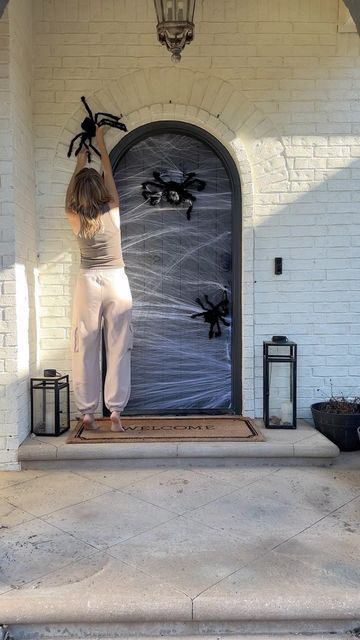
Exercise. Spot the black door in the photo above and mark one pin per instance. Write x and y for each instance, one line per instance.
(179, 263)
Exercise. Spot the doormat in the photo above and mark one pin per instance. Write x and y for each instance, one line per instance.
(170, 429)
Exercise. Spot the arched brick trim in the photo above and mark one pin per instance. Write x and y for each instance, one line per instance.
(214, 105)
(181, 94)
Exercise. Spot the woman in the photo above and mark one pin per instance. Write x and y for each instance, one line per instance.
(102, 293)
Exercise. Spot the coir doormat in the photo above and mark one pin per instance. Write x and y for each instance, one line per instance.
(170, 429)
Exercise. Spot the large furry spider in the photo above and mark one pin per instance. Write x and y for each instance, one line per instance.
(214, 313)
(173, 192)
(89, 129)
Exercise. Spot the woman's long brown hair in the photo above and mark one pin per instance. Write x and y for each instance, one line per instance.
(88, 197)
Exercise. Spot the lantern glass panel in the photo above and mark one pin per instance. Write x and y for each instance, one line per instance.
(279, 350)
(170, 10)
(44, 410)
(280, 393)
(63, 407)
(175, 10)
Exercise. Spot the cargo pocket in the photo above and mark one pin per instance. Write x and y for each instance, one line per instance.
(75, 339)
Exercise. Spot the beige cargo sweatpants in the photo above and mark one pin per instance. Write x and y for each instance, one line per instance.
(102, 297)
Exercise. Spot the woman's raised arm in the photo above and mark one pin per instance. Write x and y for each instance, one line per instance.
(106, 167)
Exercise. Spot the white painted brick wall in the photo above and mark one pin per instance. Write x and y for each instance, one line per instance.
(279, 86)
(275, 81)
(18, 231)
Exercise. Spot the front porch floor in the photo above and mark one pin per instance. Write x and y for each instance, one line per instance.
(181, 547)
(294, 444)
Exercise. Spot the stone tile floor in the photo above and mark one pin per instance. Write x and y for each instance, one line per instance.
(189, 539)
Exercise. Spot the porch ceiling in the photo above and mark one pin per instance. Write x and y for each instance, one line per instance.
(352, 5)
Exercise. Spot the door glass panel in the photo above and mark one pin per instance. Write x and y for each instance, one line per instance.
(172, 261)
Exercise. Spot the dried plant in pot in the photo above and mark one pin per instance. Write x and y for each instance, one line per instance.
(338, 418)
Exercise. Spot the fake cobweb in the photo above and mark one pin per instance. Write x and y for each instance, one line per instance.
(171, 261)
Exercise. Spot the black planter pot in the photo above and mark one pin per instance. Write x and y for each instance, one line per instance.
(341, 429)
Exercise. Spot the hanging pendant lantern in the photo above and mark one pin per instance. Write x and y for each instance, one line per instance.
(175, 25)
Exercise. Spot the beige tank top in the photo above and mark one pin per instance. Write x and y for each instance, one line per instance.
(103, 251)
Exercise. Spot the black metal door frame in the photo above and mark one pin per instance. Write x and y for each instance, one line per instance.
(183, 128)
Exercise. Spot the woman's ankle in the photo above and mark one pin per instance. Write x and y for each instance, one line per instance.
(89, 421)
(116, 421)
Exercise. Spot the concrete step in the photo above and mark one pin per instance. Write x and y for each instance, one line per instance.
(287, 630)
(300, 445)
(99, 602)
(269, 636)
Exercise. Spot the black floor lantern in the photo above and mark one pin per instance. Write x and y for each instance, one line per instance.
(279, 383)
(50, 405)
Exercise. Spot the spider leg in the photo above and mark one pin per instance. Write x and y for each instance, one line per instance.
(211, 330)
(93, 148)
(115, 125)
(155, 200)
(223, 307)
(218, 332)
(107, 115)
(156, 175)
(188, 197)
(195, 315)
(209, 303)
(82, 144)
(87, 107)
(119, 125)
(188, 178)
(72, 143)
(153, 184)
(153, 197)
(201, 304)
(194, 183)
(199, 184)
(225, 322)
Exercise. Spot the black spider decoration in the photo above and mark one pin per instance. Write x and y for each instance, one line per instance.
(173, 192)
(89, 129)
(214, 313)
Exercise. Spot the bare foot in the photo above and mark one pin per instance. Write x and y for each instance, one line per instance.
(89, 422)
(116, 422)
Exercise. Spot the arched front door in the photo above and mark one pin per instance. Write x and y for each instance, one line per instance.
(181, 260)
